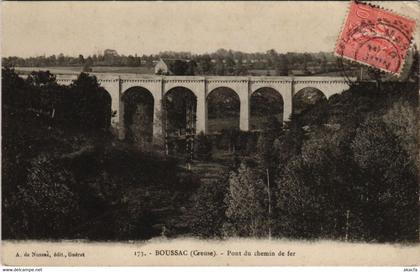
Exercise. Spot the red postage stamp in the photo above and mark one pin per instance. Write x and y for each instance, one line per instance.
(375, 37)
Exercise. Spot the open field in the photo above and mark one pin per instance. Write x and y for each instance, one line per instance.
(71, 70)
(74, 70)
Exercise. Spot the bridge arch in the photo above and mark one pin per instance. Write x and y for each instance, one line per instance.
(266, 109)
(180, 110)
(313, 90)
(309, 104)
(223, 109)
(138, 115)
(327, 85)
(107, 98)
(195, 86)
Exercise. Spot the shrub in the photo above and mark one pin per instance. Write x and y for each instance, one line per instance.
(209, 209)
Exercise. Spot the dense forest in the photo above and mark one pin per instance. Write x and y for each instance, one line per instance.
(65, 176)
(345, 168)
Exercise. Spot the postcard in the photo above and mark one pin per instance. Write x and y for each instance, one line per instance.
(210, 133)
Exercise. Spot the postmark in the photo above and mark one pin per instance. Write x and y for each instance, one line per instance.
(375, 37)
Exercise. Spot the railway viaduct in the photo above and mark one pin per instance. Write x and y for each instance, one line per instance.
(201, 87)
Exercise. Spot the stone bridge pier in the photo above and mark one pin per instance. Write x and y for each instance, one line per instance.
(201, 87)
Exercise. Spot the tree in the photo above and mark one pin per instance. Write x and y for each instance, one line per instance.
(46, 201)
(192, 68)
(282, 66)
(13, 87)
(205, 64)
(52, 60)
(264, 149)
(247, 204)
(277, 146)
(313, 190)
(42, 79)
(81, 59)
(272, 57)
(239, 67)
(389, 190)
(401, 120)
(180, 67)
(230, 63)
(90, 103)
(251, 144)
(209, 209)
(306, 59)
(324, 65)
(220, 67)
(60, 59)
(203, 147)
(87, 67)
(413, 75)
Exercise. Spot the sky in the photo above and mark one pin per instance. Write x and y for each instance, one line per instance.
(73, 28)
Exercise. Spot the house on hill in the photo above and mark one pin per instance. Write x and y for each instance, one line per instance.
(110, 52)
(175, 67)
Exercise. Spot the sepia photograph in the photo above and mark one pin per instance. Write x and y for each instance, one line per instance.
(210, 133)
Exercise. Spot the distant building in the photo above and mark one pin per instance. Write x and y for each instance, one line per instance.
(174, 67)
(110, 52)
(110, 57)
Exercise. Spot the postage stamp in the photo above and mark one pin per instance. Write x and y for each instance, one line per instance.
(375, 37)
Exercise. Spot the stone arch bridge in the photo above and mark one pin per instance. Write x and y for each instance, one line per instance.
(201, 87)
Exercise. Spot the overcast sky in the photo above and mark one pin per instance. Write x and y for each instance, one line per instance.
(72, 28)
